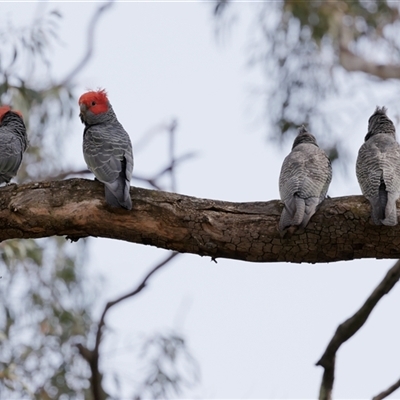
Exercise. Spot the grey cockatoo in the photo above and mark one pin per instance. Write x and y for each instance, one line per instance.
(303, 182)
(107, 148)
(13, 143)
(378, 168)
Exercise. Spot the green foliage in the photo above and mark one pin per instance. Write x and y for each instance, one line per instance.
(322, 17)
(43, 312)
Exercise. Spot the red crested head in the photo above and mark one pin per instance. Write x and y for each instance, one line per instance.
(5, 109)
(94, 101)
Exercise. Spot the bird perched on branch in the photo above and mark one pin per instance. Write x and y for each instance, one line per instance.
(13, 142)
(107, 148)
(303, 182)
(378, 168)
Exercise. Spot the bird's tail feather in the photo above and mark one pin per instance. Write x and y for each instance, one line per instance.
(390, 210)
(117, 193)
(378, 204)
(293, 213)
(311, 205)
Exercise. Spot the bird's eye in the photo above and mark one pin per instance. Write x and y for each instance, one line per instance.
(93, 103)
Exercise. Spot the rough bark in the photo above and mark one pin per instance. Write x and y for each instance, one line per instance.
(340, 230)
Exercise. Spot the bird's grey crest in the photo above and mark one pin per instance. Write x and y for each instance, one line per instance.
(379, 122)
(304, 137)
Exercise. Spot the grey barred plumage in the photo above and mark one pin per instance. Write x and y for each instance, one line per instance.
(107, 148)
(13, 143)
(378, 168)
(304, 181)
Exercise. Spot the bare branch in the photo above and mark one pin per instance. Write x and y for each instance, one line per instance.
(92, 357)
(134, 292)
(340, 229)
(171, 131)
(90, 42)
(173, 164)
(148, 136)
(151, 181)
(67, 173)
(348, 328)
(388, 391)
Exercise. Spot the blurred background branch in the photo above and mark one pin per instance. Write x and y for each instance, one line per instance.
(90, 43)
(155, 180)
(92, 356)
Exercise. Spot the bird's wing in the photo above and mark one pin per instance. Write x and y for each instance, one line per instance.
(11, 151)
(107, 156)
(307, 172)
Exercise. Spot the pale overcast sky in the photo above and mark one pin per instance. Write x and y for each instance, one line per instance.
(256, 330)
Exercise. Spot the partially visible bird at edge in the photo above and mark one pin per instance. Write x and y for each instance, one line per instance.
(13, 142)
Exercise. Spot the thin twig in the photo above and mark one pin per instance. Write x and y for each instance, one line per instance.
(174, 162)
(147, 137)
(134, 292)
(388, 391)
(93, 359)
(153, 182)
(90, 42)
(171, 130)
(348, 328)
(64, 174)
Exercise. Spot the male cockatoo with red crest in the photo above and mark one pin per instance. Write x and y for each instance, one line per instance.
(107, 148)
(13, 142)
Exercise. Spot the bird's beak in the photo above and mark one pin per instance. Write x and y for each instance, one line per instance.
(83, 109)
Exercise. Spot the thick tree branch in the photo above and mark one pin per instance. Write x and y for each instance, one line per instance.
(348, 328)
(388, 391)
(340, 230)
